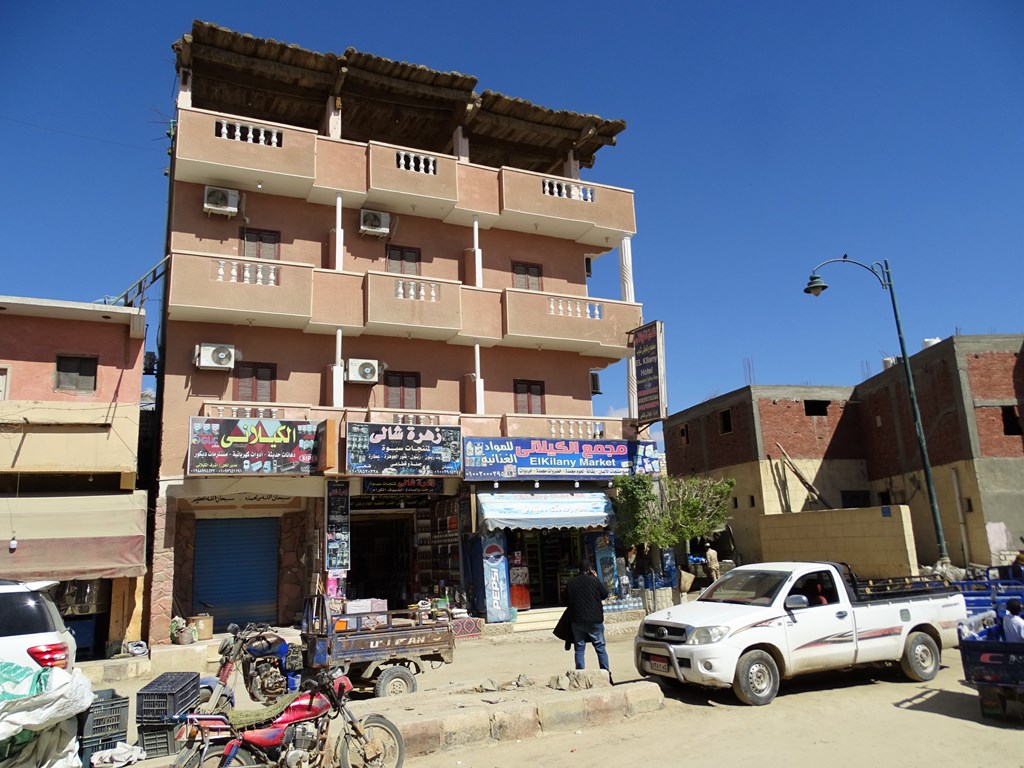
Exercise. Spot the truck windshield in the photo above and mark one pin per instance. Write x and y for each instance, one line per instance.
(746, 587)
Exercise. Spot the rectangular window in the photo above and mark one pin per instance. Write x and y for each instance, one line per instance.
(752, 502)
(684, 434)
(526, 276)
(403, 261)
(255, 382)
(854, 499)
(3, 383)
(1011, 421)
(816, 407)
(884, 498)
(725, 421)
(76, 373)
(402, 390)
(260, 243)
(529, 396)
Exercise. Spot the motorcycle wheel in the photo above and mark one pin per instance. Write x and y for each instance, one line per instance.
(385, 741)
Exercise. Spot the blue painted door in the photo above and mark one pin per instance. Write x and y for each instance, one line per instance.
(235, 570)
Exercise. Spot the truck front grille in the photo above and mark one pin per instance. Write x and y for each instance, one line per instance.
(666, 633)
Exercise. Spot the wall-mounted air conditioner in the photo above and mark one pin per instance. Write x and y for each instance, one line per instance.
(595, 383)
(363, 371)
(220, 200)
(215, 357)
(374, 222)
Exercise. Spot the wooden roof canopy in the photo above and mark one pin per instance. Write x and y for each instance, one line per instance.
(382, 100)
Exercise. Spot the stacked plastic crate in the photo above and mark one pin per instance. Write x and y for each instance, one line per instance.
(169, 694)
(102, 725)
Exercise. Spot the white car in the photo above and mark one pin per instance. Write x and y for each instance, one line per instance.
(32, 632)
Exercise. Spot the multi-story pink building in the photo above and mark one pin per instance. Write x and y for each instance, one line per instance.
(797, 448)
(373, 269)
(70, 386)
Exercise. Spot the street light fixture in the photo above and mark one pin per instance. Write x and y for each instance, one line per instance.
(881, 271)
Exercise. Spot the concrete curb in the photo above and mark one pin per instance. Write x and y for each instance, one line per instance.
(431, 723)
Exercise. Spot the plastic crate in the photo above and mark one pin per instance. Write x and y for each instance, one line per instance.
(87, 746)
(168, 694)
(107, 715)
(158, 740)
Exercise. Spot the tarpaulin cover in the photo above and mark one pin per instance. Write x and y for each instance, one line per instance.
(544, 510)
(99, 536)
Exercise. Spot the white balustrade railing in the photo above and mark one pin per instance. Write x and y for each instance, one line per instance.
(411, 161)
(567, 190)
(576, 429)
(566, 307)
(415, 418)
(234, 130)
(249, 272)
(417, 290)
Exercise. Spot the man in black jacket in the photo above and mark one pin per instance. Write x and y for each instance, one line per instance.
(584, 595)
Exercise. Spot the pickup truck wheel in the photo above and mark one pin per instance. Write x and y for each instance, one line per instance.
(394, 681)
(757, 678)
(920, 660)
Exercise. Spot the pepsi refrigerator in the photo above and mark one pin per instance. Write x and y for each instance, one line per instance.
(488, 555)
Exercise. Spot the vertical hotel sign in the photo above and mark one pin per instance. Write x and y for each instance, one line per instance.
(649, 359)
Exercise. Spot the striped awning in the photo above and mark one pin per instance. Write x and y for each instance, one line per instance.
(544, 510)
(99, 536)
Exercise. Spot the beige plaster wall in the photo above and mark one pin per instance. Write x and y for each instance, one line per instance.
(872, 544)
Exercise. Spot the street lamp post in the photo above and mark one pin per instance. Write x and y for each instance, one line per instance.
(815, 285)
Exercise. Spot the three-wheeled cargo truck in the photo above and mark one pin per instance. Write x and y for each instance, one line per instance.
(383, 650)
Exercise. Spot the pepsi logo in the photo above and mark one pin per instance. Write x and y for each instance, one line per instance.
(493, 553)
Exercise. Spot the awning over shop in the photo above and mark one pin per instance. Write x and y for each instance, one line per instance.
(544, 510)
(62, 537)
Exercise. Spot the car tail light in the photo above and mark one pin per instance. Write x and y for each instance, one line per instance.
(54, 655)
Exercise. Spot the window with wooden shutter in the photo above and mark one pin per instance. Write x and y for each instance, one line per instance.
(526, 276)
(255, 382)
(403, 261)
(402, 390)
(529, 396)
(260, 243)
(76, 373)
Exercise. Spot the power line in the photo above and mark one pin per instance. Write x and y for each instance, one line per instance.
(80, 135)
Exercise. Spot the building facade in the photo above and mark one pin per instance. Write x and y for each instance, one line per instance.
(796, 448)
(70, 386)
(376, 293)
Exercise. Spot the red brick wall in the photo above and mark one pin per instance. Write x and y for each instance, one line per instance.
(706, 440)
(832, 436)
(996, 376)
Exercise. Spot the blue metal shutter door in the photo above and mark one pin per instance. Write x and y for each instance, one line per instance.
(235, 570)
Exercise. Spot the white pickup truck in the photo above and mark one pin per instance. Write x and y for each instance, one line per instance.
(759, 624)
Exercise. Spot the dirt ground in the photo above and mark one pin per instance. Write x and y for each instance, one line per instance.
(863, 718)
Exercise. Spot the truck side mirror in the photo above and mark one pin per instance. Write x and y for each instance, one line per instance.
(796, 602)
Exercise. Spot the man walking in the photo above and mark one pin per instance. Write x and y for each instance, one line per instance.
(583, 595)
(711, 557)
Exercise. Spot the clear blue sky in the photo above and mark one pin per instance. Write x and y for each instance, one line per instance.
(762, 138)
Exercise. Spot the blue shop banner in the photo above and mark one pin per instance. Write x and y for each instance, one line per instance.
(403, 449)
(515, 458)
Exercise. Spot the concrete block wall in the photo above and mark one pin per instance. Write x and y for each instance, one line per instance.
(873, 544)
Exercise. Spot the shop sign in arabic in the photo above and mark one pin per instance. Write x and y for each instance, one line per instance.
(251, 447)
(649, 357)
(337, 556)
(403, 485)
(403, 449)
(521, 458)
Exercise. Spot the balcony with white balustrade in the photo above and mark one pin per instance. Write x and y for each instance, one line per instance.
(224, 289)
(582, 324)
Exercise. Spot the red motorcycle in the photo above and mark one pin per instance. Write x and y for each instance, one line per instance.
(293, 733)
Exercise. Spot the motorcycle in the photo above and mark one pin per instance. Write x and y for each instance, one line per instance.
(270, 667)
(293, 733)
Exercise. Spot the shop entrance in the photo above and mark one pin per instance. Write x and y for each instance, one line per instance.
(382, 553)
(550, 558)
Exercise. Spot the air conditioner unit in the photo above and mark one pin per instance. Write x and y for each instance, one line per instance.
(363, 371)
(215, 357)
(220, 200)
(595, 383)
(374, 222)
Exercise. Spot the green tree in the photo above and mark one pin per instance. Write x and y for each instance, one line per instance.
(674, 510)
